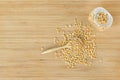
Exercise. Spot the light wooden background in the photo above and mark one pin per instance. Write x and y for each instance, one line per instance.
(27, 25)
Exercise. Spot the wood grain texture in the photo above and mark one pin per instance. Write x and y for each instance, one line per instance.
(27, 25)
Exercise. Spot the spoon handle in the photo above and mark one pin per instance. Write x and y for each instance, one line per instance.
(54, 49)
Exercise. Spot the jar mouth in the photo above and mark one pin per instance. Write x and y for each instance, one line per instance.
(102, 18)
(99, 10)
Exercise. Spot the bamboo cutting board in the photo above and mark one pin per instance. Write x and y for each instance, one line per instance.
(27, 25)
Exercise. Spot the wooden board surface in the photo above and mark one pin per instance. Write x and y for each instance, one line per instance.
(27, 25)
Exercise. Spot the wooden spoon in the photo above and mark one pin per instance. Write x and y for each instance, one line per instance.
(68, 45)
(58, 48)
